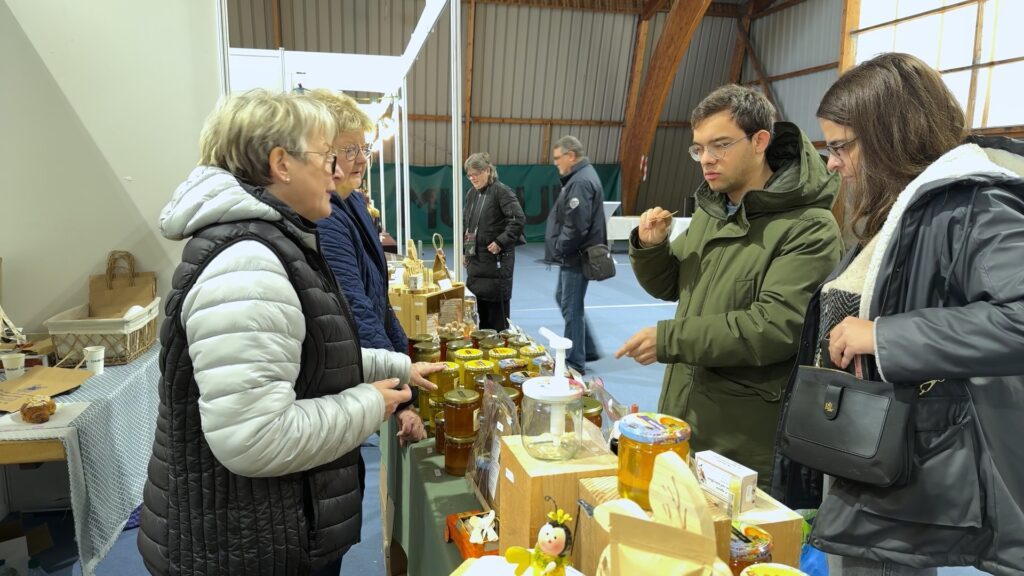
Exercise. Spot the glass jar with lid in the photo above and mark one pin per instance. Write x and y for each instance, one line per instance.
(450, 345)
(426, 352)
(439, 431)
(516, 379)
(435, 406)
(477, 370)
(530, 352)
(481, 335)
(457, 452)
(748, 545)
(507, 334)
(508, 366)
(489, 344)
(592, 410)
(515, 395)
(446, 379)
(517, 343)
(543, 365)
(461, 412)
(462, 356)
(552, 418)
(414, 340)
(642, 437)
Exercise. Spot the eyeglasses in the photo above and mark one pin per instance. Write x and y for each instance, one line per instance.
(835, 149)
(329, 157)
(475, 175)
(352, 150)
(716, 149)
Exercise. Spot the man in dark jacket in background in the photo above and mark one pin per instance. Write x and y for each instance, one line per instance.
(575, 223)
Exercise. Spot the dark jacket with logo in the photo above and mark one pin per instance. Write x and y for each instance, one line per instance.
(946, 291)
(495, 215)
(576, 221)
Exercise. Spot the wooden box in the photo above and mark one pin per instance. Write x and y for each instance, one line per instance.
(412, 309)
(785, 526)
(524, 481)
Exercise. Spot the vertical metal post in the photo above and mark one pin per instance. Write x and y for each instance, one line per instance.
(455, 10)
(407, 193)
(400, 234)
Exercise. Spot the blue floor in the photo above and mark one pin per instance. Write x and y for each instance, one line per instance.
(616, 308)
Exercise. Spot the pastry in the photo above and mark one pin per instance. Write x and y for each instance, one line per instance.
(38, 409)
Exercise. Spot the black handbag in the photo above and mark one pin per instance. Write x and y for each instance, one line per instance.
(597, 262)
(845, 426)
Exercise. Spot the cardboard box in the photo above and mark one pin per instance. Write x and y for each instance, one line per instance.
(524, 481)
(457, 531)
(785, 526)
(17, 545)
(732, 485)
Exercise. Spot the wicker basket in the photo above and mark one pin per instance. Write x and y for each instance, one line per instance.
(125, 340)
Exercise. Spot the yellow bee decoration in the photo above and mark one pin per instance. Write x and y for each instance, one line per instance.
(550, 556)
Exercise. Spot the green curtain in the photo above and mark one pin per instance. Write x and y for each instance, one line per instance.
(431, 192)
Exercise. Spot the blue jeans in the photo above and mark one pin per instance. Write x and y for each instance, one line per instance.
(570, 293)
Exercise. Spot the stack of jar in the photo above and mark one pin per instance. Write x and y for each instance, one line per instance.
(461, 423)
(432, 405)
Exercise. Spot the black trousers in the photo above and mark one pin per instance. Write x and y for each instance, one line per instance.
(494, 314)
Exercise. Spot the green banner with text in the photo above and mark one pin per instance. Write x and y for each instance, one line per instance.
(537, 187)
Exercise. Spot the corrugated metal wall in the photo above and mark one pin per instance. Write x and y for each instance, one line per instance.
(804, 36)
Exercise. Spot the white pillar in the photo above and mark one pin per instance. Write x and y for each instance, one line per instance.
(455, 9)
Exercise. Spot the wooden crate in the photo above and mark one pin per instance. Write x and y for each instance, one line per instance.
(524, 481)
(412, 309)
(783, 524)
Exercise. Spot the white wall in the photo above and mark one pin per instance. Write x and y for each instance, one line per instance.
(101, 104)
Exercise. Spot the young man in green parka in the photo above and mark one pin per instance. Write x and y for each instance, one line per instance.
(761, 241)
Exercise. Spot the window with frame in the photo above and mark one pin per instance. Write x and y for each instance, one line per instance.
(977, 46)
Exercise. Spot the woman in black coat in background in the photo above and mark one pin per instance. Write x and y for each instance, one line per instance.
(493, 222)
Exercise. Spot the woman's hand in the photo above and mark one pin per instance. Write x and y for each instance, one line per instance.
(494, 248)
(849, 338)
(410, 427)
(393, 394)
(420, 371)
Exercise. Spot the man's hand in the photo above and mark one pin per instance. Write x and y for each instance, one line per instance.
(410, 427)
(850, 337)
(655, 225)
(392, 396)
(494, 248)
(642, 347)
(420, 371)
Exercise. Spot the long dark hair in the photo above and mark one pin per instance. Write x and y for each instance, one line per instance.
(904, 118)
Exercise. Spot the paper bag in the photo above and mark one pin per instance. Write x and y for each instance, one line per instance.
(39, 381)
(113, 293)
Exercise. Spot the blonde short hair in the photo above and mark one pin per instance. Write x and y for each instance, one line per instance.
(240, 133)
(347, 113)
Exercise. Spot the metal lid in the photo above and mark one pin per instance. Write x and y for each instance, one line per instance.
(467, 354)
(459, 344)
(422, 338)
(502, 352)
(461, 396)
(450, 367)
(518, 342)
(591, 405)
(522, 376)
(427, 346)
(512, 392)
(479, 366)
(491, 342)
(458, 439)
(532, 350)
(654, 428)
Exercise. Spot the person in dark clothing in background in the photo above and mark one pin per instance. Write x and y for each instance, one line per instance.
(494, 223)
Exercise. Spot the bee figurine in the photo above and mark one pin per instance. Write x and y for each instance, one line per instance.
(550, 556)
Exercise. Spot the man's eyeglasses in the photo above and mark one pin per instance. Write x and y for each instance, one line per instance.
(835, 149)
(716, 150)
(330, 157)
(475, 175)
(352, 150)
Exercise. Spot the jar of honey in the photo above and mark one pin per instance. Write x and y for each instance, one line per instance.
(516, 379)
(592, 410)
(457, 452)
(489, 344)
(517, 343)
(439, 431)
(414, 340)
(461, 412)
(506, 366)
(446, 338)
(530, 352)
(446, 379)
(425, 406)
(544, 365)
(643, 437)
(462, 356)
(477, 371)
(748, 545)
(515, 395)
(482, 334)
(435, 405)
(450, 346)
(507, 334)
(426, 352)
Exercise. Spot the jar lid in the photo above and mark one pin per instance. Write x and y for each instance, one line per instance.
(522, 376)
(450, 367)
(467, 353)
(771, 569)
(749, 543)
(512, 392)
(532, 350)
(479, 366)
(422, 338)
(508, 333)
(502, 353)
(491, 342)
(546, 389)
(461, 396)
(591, 405)
(507, 364)
(459, 344)
(483, 333)
(654, 428)
(427, 346)
(459, 440)
(518, 341)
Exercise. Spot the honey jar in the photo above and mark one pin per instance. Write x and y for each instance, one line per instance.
(643, 437)
(529, 352)
(507, 334)
(425, 406)
(457, 452)
(506, 366)
(439, 431)
(435, 407)
(461, 412)
(446, 339)
(515, 395)
(414, 340)
(462, 356)
(482, 334)
(429, 351)
(488, 344)
(446, 379)
(748, 545)
(516, 379)
(477, 371)
(544, 365)
(450, 346)
(592, 410)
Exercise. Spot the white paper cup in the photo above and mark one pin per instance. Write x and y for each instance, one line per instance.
(94, 359)
(14, 365)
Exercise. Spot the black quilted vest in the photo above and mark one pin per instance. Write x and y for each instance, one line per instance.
(200, 518)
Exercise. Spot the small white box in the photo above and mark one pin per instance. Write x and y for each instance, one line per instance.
(733, 484)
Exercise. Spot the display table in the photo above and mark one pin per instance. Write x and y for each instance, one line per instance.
(107, 447)
(421, 496)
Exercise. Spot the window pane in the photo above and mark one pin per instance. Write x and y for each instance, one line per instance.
(957, 40)
(875, 12)
(873, 43)
(906, 8)
(960, 84)
(920, 37)
(1001, 31)
(1004, 92)
(979, 99)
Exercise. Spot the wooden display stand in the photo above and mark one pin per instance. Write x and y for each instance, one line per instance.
(785, 526)
(412, 308)
(524, 481)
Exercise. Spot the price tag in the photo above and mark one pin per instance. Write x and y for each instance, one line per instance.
(437, 473)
